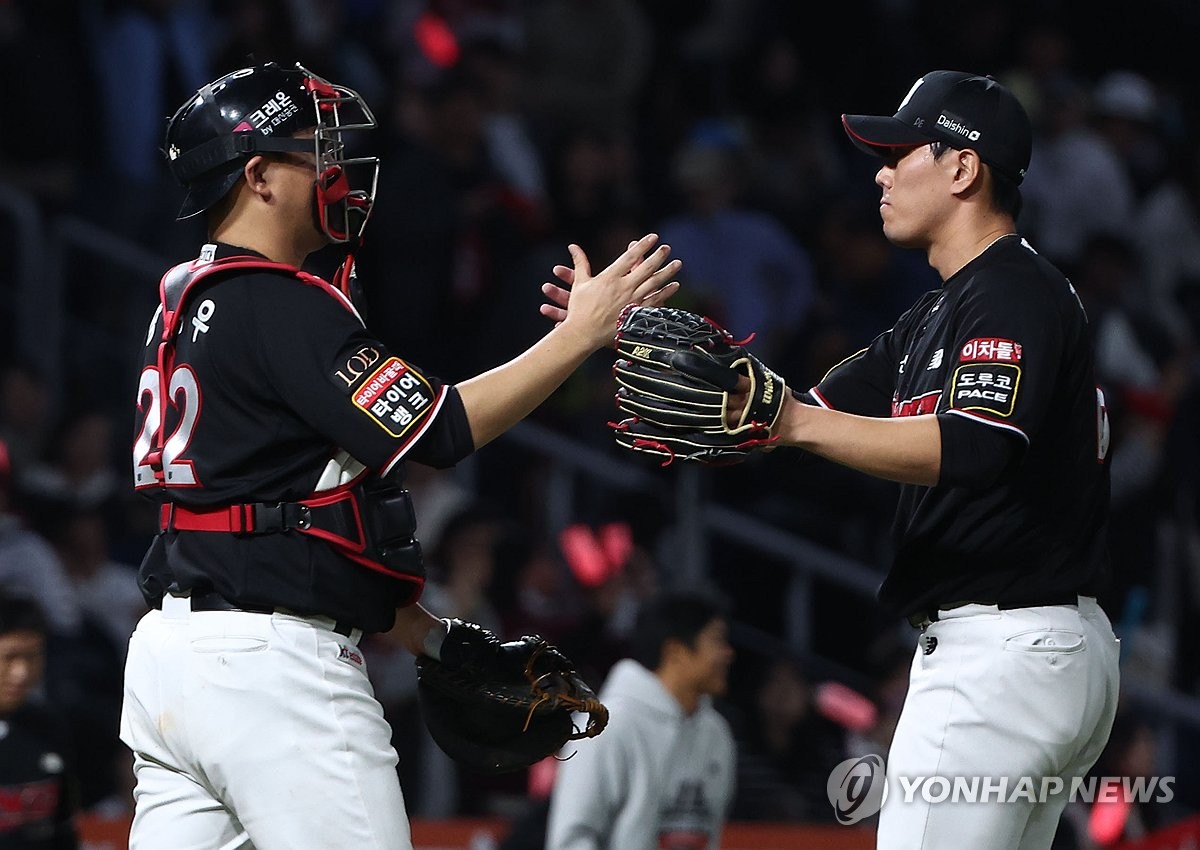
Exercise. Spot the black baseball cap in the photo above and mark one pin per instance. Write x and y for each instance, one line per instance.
(961, 109)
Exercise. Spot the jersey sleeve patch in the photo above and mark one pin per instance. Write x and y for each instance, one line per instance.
(395, 396)
(988, 387)
(990, 350)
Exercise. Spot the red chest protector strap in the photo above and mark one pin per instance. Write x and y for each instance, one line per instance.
(371, 523)
(173, 291)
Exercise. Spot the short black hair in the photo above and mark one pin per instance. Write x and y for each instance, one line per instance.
(20, 614)
(1006, 194)
(673, 615)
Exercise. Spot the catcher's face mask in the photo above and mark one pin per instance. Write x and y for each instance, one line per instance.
(345, 185)
(262, 110)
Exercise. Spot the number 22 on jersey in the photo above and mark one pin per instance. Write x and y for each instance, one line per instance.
(158, 462)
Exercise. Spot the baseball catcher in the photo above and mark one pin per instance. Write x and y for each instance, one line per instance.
(676, 373)
(498, 707)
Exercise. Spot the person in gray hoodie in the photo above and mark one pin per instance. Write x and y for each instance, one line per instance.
(661, 777)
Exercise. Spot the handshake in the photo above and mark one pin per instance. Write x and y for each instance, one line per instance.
(690, 390)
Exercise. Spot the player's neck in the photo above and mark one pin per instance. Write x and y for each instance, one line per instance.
(960, 245)
(276, 246)
(679, 687)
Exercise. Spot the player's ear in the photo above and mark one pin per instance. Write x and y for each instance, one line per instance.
(255, 176)
(968, 168)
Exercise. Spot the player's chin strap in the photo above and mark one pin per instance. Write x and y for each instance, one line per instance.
(346, 281)
(341, 211)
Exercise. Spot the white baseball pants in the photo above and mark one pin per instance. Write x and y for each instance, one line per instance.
(256, 731)
(1027, 692)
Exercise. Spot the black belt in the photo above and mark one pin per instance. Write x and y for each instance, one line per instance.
(210, 600)
(925, 618)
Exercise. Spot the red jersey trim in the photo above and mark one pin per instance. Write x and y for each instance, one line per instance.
(995, 423)
(821, 400)
(416, 435)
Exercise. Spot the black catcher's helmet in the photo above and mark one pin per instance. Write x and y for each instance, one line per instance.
(258, 110)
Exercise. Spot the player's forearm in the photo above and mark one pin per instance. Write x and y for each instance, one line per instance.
(416, 626)
(905, 449)
(501, 397)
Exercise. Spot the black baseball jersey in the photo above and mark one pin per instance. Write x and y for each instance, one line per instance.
(38, 795)
(273, 382)
(1003, 345)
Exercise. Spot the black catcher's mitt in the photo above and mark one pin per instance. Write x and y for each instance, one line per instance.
(675, 371)
(498, 707)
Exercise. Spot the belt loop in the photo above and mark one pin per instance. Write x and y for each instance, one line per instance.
(178, 608)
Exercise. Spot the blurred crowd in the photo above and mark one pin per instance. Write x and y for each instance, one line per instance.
(509, 128)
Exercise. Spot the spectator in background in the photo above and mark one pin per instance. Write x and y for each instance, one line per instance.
(1077, 185)
(455, 237)
(28, 564)
(1136, 357)
(254, 30)
(1127, 109)
(107, 590)
(593, 182)
(493, 64)
(585, 401)
(146, 55)
(59, 554)
(586, 64)
(887, 665)
(786, 749)
(143, 50)
(1179, 487)
(327, 32)
(865, 280)
(42, 40)
(1045, 57)
(462, 565)
(83, 669)
(77, 467)
(541, 597)
(744, 268)
(439, 495)
(662, 775)
(1116, 817)
(37, 765)
(1142, 373)
(795, 163)
(25, 413)
(1168, 239)
(616, 577)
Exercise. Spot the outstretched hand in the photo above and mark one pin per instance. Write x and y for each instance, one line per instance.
(633, 278)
